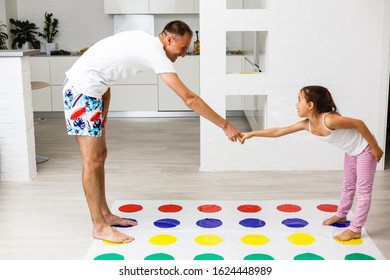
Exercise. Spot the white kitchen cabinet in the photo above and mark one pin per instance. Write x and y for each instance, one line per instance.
(135, 93)
(172, 6)
(254, 4)
(40, 72)
(234, 4)
(151, 6)
(57, 101)
(134, 98)
(196, 9)
(126, 6)
(246, 4)
(40, 69)
(58, 66)
(41, 100)
(188, 71)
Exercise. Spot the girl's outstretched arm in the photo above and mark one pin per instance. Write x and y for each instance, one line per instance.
(335, 121)
(276, 131)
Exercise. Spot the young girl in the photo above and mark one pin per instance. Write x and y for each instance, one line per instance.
(362, 152)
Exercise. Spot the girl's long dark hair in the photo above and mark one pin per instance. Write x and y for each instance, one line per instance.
(321, 98)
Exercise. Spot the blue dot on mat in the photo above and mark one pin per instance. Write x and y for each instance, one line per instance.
(295, 223)
(128, 225)
(209, 223)
(166, 223)
(252, 223)
(341, 225)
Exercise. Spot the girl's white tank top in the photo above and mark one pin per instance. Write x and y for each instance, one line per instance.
(348, 140)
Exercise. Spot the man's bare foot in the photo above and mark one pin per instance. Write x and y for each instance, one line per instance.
(348, 235)
(333, 220)
(110, 234)
(118, 221)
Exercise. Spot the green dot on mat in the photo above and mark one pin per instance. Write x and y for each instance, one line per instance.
(159, 257)
(308, 257)
(358, 256)
(208, 256)
(255, 257)
(109, 257)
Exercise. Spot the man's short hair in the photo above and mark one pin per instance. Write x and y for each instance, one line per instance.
(177, 27)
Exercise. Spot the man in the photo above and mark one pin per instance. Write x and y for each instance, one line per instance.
(87, 97)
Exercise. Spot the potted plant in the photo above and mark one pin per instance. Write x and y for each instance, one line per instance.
(3, 38)
(50, 30)
(23, 34)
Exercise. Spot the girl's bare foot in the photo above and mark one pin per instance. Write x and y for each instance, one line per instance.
(333, 220)
(348, 235)
(110, 234)
(118, 221)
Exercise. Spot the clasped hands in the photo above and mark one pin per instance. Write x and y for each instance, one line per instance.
(241, 137)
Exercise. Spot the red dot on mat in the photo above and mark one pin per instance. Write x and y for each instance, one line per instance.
(170, 208)
(289, 208)
(130, 208)
(209, 208)
(249, 208)
(327, 207)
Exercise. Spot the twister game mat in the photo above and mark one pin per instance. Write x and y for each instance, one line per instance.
(232, 230)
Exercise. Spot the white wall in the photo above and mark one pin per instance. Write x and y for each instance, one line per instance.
(3, 19)
(2, 12)
(342, 45)
(8, 9)
(82, 23)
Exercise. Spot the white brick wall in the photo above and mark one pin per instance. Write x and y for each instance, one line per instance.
(337, 44)
(17, 142)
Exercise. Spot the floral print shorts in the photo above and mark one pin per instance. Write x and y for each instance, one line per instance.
(83, 114)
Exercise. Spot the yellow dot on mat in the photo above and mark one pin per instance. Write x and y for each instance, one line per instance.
(301, 239)
(255, 239)
(355, 242)
(163, 239)
(208, 239)
(113, 243)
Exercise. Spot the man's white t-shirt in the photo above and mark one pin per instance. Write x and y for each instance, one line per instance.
(117, 57)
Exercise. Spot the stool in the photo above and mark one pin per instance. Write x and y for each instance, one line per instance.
(35, 86)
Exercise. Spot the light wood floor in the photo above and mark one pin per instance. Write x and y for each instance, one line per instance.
(149, 159)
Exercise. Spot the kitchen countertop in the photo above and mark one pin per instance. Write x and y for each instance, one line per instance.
(18, 53)
(52, 55)
(30, 52)
(76, 55)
